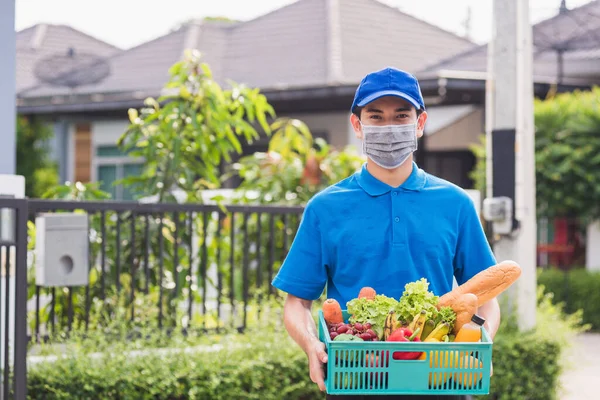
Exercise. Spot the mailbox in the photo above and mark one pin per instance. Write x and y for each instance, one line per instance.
(62, 250)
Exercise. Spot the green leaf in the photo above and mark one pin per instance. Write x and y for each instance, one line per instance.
(233, 140)
(133, 115)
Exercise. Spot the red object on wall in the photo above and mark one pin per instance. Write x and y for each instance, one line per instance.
(560, 251)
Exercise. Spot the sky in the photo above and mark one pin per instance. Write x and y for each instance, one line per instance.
(127, 23)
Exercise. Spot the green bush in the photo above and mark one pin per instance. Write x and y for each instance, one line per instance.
(578, 289)
(524, 368)
(267, 364)
(260, 366)
(528, 365)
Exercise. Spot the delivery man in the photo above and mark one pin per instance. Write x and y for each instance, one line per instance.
(388, 224)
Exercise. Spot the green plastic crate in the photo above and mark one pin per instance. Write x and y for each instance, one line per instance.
(368, 368)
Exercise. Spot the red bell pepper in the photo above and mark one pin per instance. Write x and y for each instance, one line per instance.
(405, 335)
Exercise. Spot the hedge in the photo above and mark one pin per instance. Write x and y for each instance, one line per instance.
(578, 289)
(268, 365)
(269, 368)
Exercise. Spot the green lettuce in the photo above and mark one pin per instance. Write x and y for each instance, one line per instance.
(448, 315)
(416, 297)
(372, 311)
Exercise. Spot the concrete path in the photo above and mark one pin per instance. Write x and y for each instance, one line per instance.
(582, 380)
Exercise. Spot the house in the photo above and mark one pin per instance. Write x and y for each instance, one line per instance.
(39, 48)
(307, 57)
(566, 50)
(42, 41)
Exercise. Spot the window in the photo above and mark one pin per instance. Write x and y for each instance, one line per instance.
(112, 165)
(453, 166)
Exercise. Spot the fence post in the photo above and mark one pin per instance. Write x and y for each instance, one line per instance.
(20, 363)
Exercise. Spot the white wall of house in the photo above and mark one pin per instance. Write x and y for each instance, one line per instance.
(456, 132)
(108, 132)
(70, 167)
(105, 133)
(592, 255)
(8, 85)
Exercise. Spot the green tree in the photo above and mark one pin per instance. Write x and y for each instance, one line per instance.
(567, 156)
(185, 135)
(33, 156)
(296, 166)
(478, 173)
(76, 191)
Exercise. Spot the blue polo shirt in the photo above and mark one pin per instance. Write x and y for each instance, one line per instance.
(363, 232)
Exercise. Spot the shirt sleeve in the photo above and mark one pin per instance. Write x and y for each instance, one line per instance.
(303, 273)
(473, 252)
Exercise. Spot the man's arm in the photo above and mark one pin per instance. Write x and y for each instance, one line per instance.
(301, 326)
(303, 276)
(491, 312)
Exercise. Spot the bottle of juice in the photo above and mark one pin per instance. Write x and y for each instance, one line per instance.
(470, 332)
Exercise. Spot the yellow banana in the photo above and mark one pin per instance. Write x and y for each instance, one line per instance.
(412, 323)
(428, 327)
(419, 321)
(389, 325)
(438, 333)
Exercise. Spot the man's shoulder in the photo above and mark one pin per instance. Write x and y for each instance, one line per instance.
(334, 193)
(446, 190)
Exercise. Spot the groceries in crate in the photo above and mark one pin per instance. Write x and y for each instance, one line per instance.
(418, 328)
(436, 318)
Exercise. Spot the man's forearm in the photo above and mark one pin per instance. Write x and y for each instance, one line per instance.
(491, 312)
(299, 322)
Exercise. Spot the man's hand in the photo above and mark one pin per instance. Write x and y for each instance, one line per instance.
(316, 358)
(301, 327)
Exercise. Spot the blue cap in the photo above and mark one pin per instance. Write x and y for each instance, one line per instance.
(388, 82)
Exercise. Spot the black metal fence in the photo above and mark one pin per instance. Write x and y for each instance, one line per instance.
(170, 265)
(13, 297)
(167, 266)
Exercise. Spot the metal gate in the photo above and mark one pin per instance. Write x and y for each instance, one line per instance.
(13, 298)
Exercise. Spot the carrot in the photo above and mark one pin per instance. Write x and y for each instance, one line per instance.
(332, 312)
(486, 285)
(367, 293)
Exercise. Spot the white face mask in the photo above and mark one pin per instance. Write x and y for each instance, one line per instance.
(389, 146)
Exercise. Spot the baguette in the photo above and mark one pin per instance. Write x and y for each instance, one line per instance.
(464, 307)
(486, 285)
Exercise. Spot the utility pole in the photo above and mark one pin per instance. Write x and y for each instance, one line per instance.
(511, 149)
(563, 7)
(467, 24)
(8, 136)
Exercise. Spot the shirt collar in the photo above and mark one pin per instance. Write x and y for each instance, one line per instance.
(374, 187)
